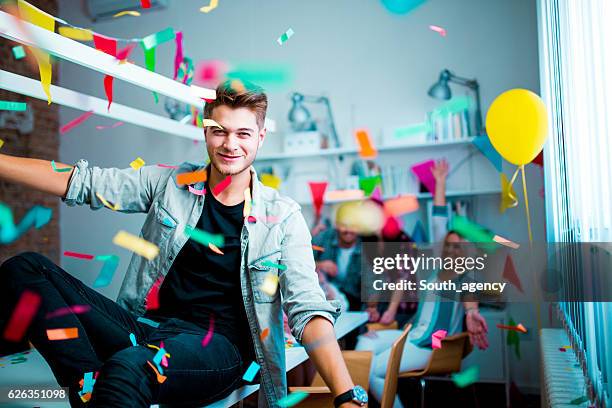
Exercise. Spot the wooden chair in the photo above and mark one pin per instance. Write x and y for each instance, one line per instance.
(379, 326)
(443, 361)
(391, 376)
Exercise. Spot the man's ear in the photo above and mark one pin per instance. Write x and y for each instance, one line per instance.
(262, 137)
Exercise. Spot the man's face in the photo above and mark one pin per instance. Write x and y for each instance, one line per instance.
(346, 235)
(233, 149)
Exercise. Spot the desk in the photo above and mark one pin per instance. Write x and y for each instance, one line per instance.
(347, 322)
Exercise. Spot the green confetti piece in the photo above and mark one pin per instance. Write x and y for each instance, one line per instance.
(292, 399)
(13, 106)
(468, 376)
(160, 37)
(261, 74)
(473, 232)
(251, 372)
(454, 105)
(273, 265)
(18, 52)
(368, 184)
(579, 400)
(58, 170)
(285, 36)
(108, 270)
(412, 130)
(37, 217)
(204, 237)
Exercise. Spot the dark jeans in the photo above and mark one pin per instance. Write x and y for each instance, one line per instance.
(196, 375)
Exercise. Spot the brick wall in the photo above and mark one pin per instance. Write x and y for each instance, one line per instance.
(41, 143)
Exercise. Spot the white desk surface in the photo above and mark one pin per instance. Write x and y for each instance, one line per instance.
(347, 322)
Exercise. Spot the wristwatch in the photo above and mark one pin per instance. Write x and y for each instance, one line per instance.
(357, 395)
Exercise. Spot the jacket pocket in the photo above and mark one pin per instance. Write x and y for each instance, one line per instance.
(264, 280)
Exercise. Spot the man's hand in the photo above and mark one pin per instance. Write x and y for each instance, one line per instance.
(373, 314)
(477, 329)
(388, 317)
(329, 267)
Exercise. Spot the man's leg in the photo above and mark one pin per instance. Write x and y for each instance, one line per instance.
(103, 330)
(195, 375)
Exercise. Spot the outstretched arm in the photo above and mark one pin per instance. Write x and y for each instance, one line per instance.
(35, 174)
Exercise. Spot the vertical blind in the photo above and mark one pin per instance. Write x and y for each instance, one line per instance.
(576, 80)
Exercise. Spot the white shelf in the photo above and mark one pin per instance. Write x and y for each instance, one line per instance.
(354, 151)
(424, 196)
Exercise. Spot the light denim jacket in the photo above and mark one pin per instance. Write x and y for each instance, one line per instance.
(170, 208)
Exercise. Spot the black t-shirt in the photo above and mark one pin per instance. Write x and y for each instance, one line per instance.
(201, 283)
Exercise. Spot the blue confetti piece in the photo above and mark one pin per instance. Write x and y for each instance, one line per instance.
(108, 270)
(251, 372)
(158, 358)
(148, 321)
(133, 339)
(88, 382)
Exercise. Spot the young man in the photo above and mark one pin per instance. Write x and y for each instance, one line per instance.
(205, 289)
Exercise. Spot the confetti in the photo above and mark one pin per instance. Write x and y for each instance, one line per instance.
(137, 163)
(63, 334)
(286, 36)
(37, 216)
(211, 6)
(160, 378)
(519, 327)
(167, 166)
(108, 270)
(506, 242)
(366, 149)
(114, 125)
(1, 142)
(76, 309)
(270, 284)
(148, 322)
(273, 265)
(223, 184)
(136, 244)
(88, 382)
(251, 372)
(318, 248)
(438, 29)
(114, 207)
(344, 195)
(74, 33)
(145, 4)
(270, 180)
(247, 202)
(215, 249)
(132, 13)
(401, 205)
(22, 316)
(466, 377)
(18, 52)
(209, 334)
(436, 339)
(423, 173)
(75, 122)
(13, 106)
(204, 237)
(292, 399)
(58, 170)
(78, 255)
(152, 301)
(265, 332)
(210, 122)
(192, 177)
(157, 359)
(196, 191)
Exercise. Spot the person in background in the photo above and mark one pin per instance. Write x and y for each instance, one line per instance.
(432, 314)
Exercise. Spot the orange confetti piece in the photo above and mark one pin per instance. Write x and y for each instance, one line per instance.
(264, 333)
(366, 149)
(86, 397)
(506, 242)
(63, 334)
(318, 248)
(192, 177)
(214, 248)
(401, 205)
(160, 378)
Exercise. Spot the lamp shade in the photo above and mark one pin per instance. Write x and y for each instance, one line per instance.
(441, 90)
(299, 116)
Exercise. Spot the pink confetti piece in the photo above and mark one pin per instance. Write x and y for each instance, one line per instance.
(178, 56)
(438, 29)
(196, 191)
(222, 185)
(22, 316)
(208, 337)
(167, 166)
(114, 125)
(152, 301)
(75, 122)
(124, 53)
(436, 339)
(78, 255)
(76, 309)
(272, 219)
(423, 172)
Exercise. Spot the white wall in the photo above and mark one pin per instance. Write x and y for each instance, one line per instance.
(375, 67)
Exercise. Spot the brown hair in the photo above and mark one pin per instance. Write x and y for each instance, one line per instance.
(238, 94)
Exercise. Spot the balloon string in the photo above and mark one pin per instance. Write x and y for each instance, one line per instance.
(510, 195)
(522, 168)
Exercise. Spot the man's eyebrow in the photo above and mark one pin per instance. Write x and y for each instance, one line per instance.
(237, 130)
(247, 129)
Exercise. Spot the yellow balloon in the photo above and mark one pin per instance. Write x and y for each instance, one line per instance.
(517, 125)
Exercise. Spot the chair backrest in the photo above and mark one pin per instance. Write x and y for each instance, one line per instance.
(358, 364)
(378, 326)
(390, 389)
(447, 359)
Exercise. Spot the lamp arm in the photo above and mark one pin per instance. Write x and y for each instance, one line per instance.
(470, 83)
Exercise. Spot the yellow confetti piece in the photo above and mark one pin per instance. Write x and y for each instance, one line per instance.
(211, 6)
(1, 143)
(214, 248)
(247, 202)
(210, 122)
(137, 163)
(106, 203)
(270, 284)
(127, 13)
(74, 33)
(136, 244)
(270, 180)
(86, 397)
(153, 346)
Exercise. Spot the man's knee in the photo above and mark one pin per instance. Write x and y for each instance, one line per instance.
(131, 361)
(19, 264)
